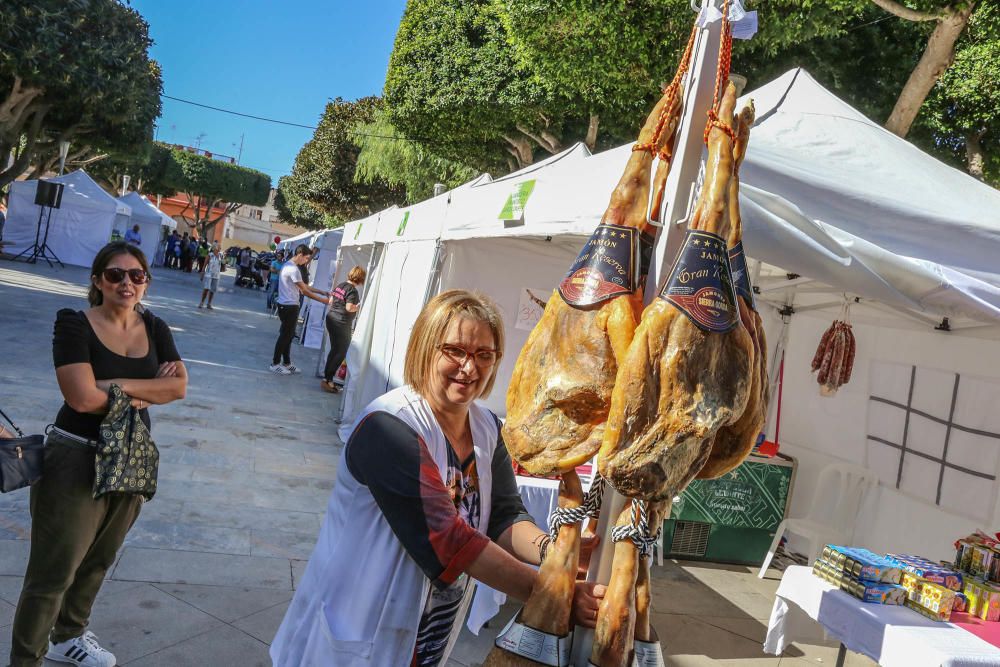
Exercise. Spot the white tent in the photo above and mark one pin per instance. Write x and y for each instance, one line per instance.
(150, 219)
(78, 229)
(289, 244)
(322, 270)
(833, 206)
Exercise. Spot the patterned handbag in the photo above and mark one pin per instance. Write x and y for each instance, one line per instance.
(127, 460)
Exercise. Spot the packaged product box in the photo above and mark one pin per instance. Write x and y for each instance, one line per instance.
(989, 603)
(937, 598)
(917, 607)
(982, 560)
(961, 603)
(928, 569)
(963, 556)
(973, 592)
(890, 594)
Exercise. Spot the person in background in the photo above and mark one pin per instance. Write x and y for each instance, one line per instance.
(132, 236)
(425, 483)
(203, 250)
(344, 304)
(3, 218)
(170, 258)
(290, 288)
(192, 255)
(185, 251)
(272, 277)
(75, 538)
(245, 259)
(210, 276)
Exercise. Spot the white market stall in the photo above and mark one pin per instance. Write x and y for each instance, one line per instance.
(322, 270)
(78, 229)
(153, 223)
(857, 189)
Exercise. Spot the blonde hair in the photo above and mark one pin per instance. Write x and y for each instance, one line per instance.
(431, 325)
(357, 275)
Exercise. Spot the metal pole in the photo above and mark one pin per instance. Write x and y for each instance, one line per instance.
(698, 95)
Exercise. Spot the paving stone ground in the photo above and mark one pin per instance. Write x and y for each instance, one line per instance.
(247, 463)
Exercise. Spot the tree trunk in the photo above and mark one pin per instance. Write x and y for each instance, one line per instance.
(23, 159)
(937, 57)
(543, 138)
(591, 139)
(974, 158)
(520, 148)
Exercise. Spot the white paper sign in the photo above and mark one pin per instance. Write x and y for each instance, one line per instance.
(530, 307)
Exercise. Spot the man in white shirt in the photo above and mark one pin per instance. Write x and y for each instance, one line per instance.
(210, 277)
(290, 288)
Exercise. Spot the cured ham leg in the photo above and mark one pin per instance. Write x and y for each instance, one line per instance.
(678, 384)
(624, 611)
(551, 601)
(560, 390)
(734, 442)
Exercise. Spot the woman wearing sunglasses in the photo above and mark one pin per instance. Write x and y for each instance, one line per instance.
(425, 498)
(74, 538)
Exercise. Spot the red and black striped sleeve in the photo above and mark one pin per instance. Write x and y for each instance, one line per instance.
(391, 459)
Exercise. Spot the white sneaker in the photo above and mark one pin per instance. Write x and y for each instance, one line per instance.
(83, 651)
(278, 369)
(292, 368)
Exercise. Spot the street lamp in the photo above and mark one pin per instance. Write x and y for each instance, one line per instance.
(125, 179)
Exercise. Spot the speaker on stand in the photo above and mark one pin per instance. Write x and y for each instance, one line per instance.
(48, 195)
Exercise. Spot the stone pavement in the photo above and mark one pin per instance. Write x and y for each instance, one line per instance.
(247, 463)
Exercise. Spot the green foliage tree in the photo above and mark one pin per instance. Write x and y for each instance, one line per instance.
(323, 175)
(453, 78)
(962, 112)
(388, 156)
(295, 210)
(77, 71)
(212, 185)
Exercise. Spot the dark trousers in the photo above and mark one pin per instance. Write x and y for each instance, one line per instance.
(340, 340)
(289, 316)
(74, 540)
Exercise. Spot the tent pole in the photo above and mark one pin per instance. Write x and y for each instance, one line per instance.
(698, 92)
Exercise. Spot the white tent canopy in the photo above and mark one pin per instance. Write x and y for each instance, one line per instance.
(78, 229)
(150, 220)
(322, 269)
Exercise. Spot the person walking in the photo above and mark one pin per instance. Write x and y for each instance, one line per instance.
(75, 538)
(203, 250)
(171, 255)
(425, 484)
(132, 236)
(290, 288)
(344, 304)
(210, 276)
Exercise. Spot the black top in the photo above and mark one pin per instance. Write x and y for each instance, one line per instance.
(344, 294)
(434, 519)
(74, 342)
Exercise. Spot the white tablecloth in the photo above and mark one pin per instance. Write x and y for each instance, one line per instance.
(891, 636)
(540, 497)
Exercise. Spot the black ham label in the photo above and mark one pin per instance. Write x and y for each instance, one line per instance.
(608, 266)
(700, 284)
(741, 277)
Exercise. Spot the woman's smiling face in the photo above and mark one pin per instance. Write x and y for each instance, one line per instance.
(455, 383)
(125, 294)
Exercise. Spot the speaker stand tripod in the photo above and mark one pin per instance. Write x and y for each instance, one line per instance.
(41, 249)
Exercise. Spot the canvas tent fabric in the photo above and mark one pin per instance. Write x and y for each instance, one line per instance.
(78, 229)
(150, 220)
(322, 270)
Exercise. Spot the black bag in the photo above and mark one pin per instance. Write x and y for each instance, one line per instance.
(21, 459)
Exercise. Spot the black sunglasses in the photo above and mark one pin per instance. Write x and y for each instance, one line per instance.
(116, 275)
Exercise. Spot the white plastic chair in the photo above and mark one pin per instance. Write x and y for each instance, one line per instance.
(841, 489)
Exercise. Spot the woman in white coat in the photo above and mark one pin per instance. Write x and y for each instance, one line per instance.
(425, 499)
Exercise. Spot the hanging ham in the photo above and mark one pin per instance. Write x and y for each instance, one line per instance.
(688, 371)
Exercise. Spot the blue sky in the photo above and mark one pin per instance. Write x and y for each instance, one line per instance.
(278, 60)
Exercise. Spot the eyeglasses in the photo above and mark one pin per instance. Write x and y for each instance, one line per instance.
(459, 355)
(116, 275)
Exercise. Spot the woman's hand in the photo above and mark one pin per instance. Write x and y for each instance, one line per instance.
(586, 601)
(168, 369)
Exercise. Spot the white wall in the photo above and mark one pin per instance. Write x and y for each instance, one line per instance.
(819, 430)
